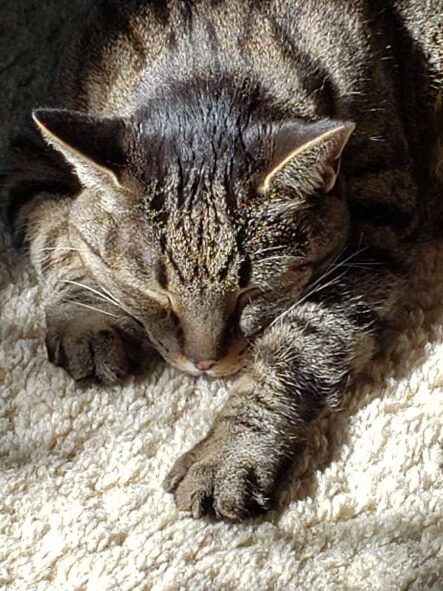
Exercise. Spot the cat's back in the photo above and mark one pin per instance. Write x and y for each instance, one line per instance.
(135, 42)
(310, 58)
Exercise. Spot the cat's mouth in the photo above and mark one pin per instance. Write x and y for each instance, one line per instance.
(229, 365)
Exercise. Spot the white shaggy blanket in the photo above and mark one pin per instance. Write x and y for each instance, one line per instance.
(81, 503)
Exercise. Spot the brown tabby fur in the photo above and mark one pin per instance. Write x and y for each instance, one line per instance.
(191, 197)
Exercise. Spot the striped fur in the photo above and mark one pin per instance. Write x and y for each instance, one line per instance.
(189, 196)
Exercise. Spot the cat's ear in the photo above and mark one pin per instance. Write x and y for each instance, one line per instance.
(92, 145)
(307, 155)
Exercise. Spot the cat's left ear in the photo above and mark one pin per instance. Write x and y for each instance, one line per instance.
(306, 156)
(92, 145)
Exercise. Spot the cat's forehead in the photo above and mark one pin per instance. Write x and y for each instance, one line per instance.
(200, 247)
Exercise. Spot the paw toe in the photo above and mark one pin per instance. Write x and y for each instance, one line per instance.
(178, 472)
(205, 482)
(79, 358)
(238, 502)
(87, 355)
(111, 362)
(194, 492)
(198, 502)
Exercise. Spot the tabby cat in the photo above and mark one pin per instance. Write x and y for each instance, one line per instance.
(241, 184)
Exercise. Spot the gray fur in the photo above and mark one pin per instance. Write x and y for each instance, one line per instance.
(241, 185)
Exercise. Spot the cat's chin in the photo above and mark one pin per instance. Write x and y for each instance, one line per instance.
(223, 369)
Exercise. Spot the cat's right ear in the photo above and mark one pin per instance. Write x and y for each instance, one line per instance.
(92, 145)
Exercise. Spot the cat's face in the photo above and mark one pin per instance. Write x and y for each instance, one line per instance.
(207, 258)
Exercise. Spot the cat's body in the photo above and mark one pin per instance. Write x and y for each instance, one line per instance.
(205, 207)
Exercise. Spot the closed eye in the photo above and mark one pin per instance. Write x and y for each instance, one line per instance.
(161, 297)
(246, 296)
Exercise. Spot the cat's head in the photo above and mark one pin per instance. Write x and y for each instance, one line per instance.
(205, 233)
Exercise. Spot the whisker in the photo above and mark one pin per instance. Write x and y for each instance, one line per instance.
(46, 248)
(92, 290)
(277, 258)
(271, 248)
(305, 296)
(106, 297)
(121, 306)
(76, 303)
(316, 286)
(319, 288)
(364, 265)
(110, 295)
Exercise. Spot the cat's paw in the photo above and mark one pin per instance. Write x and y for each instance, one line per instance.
(88, 351)
(214, 479)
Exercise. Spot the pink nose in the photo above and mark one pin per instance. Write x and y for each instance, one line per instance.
(205, 364)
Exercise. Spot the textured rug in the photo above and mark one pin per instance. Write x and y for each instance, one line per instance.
(81, 503)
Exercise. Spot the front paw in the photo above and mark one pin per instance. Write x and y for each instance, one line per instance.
(88, 349)
(234, 480)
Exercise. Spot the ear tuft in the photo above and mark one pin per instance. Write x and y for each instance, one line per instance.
(307, 154)
(93, 145)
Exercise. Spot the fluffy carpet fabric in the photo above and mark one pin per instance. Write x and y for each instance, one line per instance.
(81, 503)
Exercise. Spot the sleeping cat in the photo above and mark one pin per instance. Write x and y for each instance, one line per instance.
(240, 183)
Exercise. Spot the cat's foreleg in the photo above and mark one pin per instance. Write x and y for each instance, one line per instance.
(302, 364)
(87, 332)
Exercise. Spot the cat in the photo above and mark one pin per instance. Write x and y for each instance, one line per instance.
(241, 185)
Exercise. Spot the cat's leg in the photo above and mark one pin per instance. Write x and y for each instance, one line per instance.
(87, 332)
(302, 364)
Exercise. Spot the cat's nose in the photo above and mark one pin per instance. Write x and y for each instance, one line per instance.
(204, 364)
